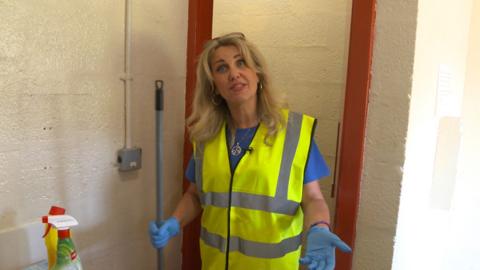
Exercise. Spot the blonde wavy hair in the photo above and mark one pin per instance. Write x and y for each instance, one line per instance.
(210, 111)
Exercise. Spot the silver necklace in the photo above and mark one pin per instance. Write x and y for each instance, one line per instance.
(236, 148)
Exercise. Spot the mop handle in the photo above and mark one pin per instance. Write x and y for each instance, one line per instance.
(159, 167)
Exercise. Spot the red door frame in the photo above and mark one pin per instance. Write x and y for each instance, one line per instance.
(353, 124)
(200, 13)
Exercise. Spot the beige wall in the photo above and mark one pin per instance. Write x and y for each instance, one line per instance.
(61, 112)
(305, 44)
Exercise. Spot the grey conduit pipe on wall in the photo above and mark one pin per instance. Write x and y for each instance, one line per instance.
(159, 159)
(127, 76)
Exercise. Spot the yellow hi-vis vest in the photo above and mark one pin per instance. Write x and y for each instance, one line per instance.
(252, 219)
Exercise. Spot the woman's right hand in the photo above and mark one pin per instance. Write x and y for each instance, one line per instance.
(160, 235)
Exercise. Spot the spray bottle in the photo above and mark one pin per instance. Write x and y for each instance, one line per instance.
(51, 236)
(67, 257)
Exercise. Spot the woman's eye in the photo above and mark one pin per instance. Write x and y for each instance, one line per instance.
(221, 68)
(241, 63)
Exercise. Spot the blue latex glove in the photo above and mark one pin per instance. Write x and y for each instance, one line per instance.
(320, 250)
(159, 235)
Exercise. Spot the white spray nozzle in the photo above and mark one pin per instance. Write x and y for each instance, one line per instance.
(60, 222)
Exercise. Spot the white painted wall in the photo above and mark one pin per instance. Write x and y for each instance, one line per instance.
(430, 236)
(61, 112)
(412, 38)
(305, 44)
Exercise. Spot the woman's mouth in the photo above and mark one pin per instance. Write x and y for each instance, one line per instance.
(237, 86)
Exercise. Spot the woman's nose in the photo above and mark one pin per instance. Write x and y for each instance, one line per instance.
(234, 73)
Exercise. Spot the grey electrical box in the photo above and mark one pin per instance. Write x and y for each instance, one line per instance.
(129, 159)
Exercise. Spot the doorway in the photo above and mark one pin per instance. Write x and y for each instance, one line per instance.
(353, 116)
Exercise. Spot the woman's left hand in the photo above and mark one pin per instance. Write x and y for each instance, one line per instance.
(320, 250)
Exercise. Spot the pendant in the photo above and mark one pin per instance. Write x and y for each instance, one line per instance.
(236, 150)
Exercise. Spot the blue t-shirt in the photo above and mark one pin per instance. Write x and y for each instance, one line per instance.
(316, 166)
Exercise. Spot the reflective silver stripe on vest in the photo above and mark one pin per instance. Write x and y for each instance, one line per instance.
(277, 204)
(292, 137)
(251, 201)
(251, 248)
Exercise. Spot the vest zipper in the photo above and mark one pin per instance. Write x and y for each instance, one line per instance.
(232, 173)
(230, 188)
(227, 252)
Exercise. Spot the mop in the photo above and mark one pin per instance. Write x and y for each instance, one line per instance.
(159, 157)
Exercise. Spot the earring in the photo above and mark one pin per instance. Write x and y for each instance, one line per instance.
(215, 99)
(260, 86)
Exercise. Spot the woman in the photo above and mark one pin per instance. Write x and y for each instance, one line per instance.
(254, 170)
